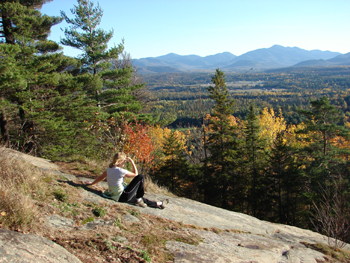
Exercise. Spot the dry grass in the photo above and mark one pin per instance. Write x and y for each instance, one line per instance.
(17, 211)
(152, 187)
(142, 241)
(335, 255)
(20, 185)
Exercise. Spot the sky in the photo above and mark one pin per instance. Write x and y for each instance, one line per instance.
(152, 28)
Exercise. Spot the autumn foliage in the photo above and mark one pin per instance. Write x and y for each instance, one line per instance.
(138, 142)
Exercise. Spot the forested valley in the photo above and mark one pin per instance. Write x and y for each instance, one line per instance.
(181, 99)
(274, 145)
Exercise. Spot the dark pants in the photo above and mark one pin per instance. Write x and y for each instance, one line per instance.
(135, 190)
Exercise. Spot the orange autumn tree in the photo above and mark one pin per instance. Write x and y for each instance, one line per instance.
(138, 144)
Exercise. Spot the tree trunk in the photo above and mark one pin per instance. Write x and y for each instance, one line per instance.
(6, 26)
(5, 137)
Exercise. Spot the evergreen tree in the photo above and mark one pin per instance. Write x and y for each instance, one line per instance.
(106, 75)
(220, 178)
(285, 185)
(17, 20)
(323, 122)
(24, 39)
(255, 161)
(36, 84)
(325, 162)
(174, 172)
(12, 80)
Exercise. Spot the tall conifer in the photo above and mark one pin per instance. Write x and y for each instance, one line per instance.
(37, 85)
(174, 171)
(106, 75)
(325, 163)
(285, 184)
(255, 161)
(222, 143)
(24, 40)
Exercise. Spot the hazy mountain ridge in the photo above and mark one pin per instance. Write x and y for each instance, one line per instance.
(177, 63)
(340, 60)
(260, 59)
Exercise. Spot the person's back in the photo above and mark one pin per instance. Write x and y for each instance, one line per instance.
(115, 179)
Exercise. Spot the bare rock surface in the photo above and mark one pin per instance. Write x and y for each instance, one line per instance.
(38, 162)
(235, 237)
(21, 248)
(227, 236)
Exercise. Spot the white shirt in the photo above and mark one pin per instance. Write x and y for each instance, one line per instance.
(115, 179)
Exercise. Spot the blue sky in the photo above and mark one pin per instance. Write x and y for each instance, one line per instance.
(205, 27)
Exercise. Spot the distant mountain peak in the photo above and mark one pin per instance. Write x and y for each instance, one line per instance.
(276, 56)
(278, 46)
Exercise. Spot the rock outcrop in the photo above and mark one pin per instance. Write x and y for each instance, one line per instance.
(18, 248)
(238, 238)
(226, 236)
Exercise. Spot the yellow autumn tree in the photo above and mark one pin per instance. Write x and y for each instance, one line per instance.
(271, 125)
(159, 139)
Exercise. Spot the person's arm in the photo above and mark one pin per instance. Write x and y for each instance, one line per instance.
(134, 169)
(98, 179)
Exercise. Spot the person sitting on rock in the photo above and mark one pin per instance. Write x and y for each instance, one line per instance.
(134, 191)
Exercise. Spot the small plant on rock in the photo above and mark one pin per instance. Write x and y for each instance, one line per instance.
(99, 211)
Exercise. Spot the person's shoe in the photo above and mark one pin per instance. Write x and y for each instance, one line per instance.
(162, 206)
(140, 203)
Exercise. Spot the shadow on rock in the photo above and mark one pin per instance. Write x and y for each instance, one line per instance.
(85, 187)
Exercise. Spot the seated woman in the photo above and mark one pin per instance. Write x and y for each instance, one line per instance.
(134, 191)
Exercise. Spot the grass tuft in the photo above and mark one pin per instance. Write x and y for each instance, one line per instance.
(335, 254)
(20, 186)
(152, 187)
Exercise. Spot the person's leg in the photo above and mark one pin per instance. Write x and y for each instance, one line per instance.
(150, 203)
(134, 190)
(134, 193)
(156, 204)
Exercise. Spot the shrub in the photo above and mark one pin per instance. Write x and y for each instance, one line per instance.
(60, 195)
(99, 212)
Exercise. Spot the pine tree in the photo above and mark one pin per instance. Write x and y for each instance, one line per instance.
(255, 161)
(222, 143)
(39, 95)
(324, 161)
(12, 80)
(285, 184)
(23, 24)
(24, 39)
(173, 173)
(106, 75)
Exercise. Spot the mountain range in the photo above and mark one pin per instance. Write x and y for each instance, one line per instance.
(258, 60)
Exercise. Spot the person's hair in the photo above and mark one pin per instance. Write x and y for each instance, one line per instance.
(117, 158)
